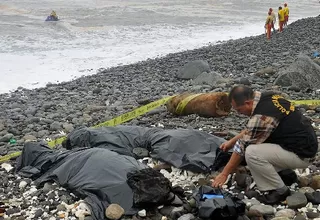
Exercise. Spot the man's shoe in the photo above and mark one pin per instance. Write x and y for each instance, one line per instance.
(273, 197)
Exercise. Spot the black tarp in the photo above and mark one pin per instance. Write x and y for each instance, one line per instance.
(97, 175)
(188, 149)
(96, 166)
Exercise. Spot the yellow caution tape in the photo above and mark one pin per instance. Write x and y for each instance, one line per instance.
(9, 156)
(140, 111)
(113, 122)
(305, 102)
(184, 102)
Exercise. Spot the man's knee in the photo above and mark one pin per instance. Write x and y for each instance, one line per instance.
(251, 152)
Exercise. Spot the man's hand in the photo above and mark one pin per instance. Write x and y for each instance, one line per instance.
(233, 163)
(226, 146)
(219, 180)
(230, 143)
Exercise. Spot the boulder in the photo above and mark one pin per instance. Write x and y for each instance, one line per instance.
(303, 73)
(114, 212)
(208, 78)
(296, 200)
(193, 69)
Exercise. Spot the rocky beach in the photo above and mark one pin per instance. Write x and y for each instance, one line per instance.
(284, 63)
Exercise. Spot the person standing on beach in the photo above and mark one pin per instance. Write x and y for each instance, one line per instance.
(274, 19)
(286, 14)
(281, 18)
(268, 25)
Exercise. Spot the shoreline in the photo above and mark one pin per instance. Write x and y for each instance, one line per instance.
(94, 71)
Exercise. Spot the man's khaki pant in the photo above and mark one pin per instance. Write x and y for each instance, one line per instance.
(265, 160)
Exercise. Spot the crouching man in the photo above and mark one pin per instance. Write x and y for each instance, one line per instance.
(277, 137)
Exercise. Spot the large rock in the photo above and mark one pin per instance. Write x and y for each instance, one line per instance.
(304, 181)
(193, 69)
(296, 201)
(315, 182)
(210, 78)
(6, 138)
(313, 197)
(288, 213)
(114, 212)
(306, 189)
(263, 209)
(303, 73)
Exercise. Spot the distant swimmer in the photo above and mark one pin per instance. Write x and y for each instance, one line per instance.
(53, 16)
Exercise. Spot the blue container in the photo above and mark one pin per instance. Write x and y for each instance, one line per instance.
(211, 196)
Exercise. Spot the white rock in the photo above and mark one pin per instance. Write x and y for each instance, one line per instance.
(185, 174)
(307, 171)
(73, 195)
(68, 207)
(304, 209)
(30, 191)
(81, 214)
(84, 207)
(309, 205)
(142, 213)
(45, 215)
(6, 166)
(23, 184)
(190, 173)
(225, 187)
(165, 173)
(280, 207)
(62, 133)
(66, 214)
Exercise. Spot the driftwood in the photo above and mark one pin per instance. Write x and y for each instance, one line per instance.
(214, 104)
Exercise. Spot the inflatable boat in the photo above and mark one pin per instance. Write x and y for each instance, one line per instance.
(52, 18)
